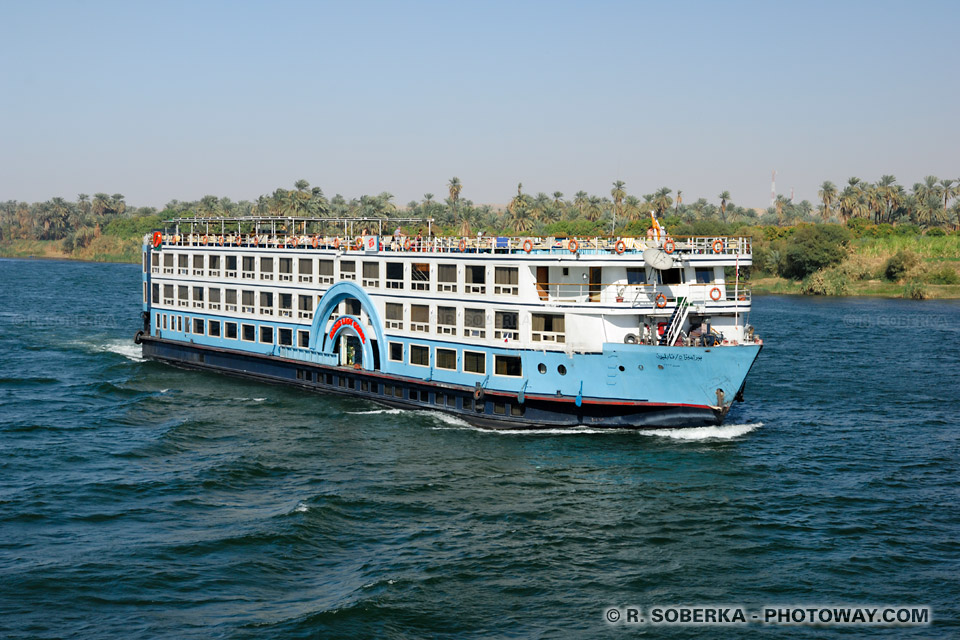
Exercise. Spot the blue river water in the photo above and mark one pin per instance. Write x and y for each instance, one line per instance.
(138, 500)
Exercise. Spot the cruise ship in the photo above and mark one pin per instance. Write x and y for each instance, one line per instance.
(503, 332)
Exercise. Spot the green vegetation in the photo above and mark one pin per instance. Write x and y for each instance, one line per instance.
(863, 239)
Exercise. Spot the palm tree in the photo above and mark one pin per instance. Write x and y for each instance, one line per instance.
(618, 195)
(679, 200)
(632, 208)
(455, 188)
(662, 200)
(594, 208)
(779, 203)
(828, 194)
(301, 185)
(949, 190)
(580, 199)
(724, 197)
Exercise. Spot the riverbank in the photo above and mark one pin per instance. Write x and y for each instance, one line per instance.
(100, 249)
(861, 288)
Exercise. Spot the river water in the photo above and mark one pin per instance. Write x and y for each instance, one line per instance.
(141, 501)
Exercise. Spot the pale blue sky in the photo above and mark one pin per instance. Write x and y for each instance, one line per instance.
(162, 100)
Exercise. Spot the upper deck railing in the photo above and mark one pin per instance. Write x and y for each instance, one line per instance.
(480, 244)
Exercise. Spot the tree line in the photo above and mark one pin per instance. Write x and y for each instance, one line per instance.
(928, 204)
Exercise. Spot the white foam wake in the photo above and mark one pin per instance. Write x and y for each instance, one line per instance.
(724, 432)
(125, 348)
(376, 411)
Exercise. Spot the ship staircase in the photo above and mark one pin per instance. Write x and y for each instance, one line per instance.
(675, 324)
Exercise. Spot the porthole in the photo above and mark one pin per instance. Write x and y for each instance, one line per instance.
(542, 368)
(659, 366)
(562, 370)
(640, 367)
(621, 367)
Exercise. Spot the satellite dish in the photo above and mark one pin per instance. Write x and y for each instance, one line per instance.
(657, 258)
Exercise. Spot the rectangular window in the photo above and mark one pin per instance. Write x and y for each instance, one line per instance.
(168, 263)
(247, 301)
(474, 362)
(394, 312)
(547, 327)
(474, 323)
(507, 366)
(266, 302)
(230, 299)
(183, 264)
(198, 326)
(168, 294)
(420, 318)
(704, 275)
(155, 292)
(305, 268)
(266, 334)
(396, 351)
(671, 276)
(286, 305)
(305, 307)
(303, 339)
(447, 359)
(394, 275)
(348, 270)
(326, 271)
(475, 279)
(187, 326)
(230, 330)
(248, 332)
(249, 266)
(447, 277)
(286, 269)
(506, 325)
(213, 298)
(213, 265)
(198, 264)
(183, 296)
(371, 274)
(505, 281)
(420, 276)
(164, 321)
(231, 266)
(266, 268)
(213, 328)
(447, 320)
(180, 323)
(198, 297)
(419, 356)
(155, 260)
(285, 337)
(636, 275)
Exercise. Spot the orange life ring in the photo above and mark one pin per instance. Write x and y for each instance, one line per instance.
(660, 300)
(157, 238)
(294, 240)
(528, 245)
(742, 297)
(359, 243)
(406, 244)
(671, 244)
(220, 238)
(718, 246)
(336, 242)
(573, 245)
(463, 245)
(620, 247)
(205, 239)
(715, 290)
(239, 239)
(316, 241)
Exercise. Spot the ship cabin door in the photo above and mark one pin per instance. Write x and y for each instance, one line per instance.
(543, 280)
(596, 280)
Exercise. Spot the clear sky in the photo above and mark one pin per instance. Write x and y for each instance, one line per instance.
(163, 100)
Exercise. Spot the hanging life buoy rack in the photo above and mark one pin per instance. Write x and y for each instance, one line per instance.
(669, 246)
(316, 241)
(573, 245)
(205, 239)
(660, 300)
(718, 246)
(463, 245)
(620, 247)
(715, 294)
(336, 242)
(478, 393)
(359, 243)
(157, 239)
(528, 245)
(239, 239)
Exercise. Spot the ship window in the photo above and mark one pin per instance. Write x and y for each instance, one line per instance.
(231, 296)
(394, 316)
(213, 295)
(248, 263)
(447, 359)
(168, 292)
(419, 356)
(371, 269)
(266, 266)
(636, 275)
(230, 330)
(180, 326)
(562, 370)
(352, 307)
(183, 261)
(168, 259)
(306, 267)
(326, 267)
(420, 276)
(506, 323)
(476, 278)
(231, 263)
(266, 301)
(507, 366)
(248, 298)
(303, 339)
(438, 399)
(213, 328)
(286, 301)
(155, 259)
(396, 351)
(266, 334)
(394, 275)
(164, 321)
(183, 293)
(505, 281)
(542, 368)
(248, 332)
(474, 323)
(213, 263)
(285, 337)
(500, 408)
(198, 294)
(156, 293)
(349, 266)
(704, 275)
(419, 317)
(447, 320)
(286, 265)
(547, 327)
(198, 326)
(447, 276)
(671, 276)
(474, 362)
(198, 261)
(306, 303)
(451, 401)
(517, 410)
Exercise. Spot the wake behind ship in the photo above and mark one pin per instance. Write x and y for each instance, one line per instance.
(503, 332)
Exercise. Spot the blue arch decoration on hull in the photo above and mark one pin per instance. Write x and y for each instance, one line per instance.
(320, 341)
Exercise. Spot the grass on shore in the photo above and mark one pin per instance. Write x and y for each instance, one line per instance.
(100, 249)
